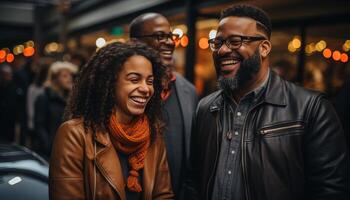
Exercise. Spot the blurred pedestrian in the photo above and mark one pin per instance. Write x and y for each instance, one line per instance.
(8, 105)
(23, 76)
(34, 90)
(111, 146)
(179, 95)
(50, 105)
(259, 136)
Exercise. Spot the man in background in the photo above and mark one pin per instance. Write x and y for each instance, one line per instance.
(179, 95)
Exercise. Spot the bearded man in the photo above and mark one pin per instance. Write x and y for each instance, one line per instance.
(261, 137)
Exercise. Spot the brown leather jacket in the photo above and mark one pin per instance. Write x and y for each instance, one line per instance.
(73, 174)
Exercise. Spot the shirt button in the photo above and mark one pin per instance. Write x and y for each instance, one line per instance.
(229, 172)
(233, 152)
(239, 113)
(236, 132)
(229, 135)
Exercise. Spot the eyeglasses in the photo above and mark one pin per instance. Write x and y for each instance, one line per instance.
(232, 42)
(162, 37)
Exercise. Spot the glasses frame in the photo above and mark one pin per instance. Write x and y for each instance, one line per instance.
(242, 39)
(158, 35)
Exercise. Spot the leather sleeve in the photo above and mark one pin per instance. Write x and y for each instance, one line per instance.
(162, 186)
(326, 162)
(66, 165)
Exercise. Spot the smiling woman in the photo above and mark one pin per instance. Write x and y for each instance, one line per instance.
(135, 89)
(114, 109)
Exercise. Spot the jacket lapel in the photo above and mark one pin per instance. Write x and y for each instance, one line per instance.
(186, 109)
(149, 174)
(107, 162)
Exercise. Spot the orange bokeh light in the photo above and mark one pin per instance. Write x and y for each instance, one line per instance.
(28, 51)
(2, 54)
(184, 41)
(327, 53)
(344, 57)
(336, 55)
(203, 43)
(10, 58)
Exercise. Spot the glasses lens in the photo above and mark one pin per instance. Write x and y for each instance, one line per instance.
(215, 44)
(162, 37)
(234, 42)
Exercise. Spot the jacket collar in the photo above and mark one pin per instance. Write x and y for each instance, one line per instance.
(275, 92)
(217, 102)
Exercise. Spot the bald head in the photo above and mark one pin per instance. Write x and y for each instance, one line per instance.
(137, 25)
(154, 29)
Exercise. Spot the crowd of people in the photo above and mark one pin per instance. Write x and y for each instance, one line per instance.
(130, 127)
(33, 99)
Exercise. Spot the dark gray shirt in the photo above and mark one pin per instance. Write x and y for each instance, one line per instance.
(228, 179)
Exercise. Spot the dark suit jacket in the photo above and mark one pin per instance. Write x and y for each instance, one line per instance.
(187, 98)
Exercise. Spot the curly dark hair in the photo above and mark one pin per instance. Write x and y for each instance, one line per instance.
(253, 12)
(93, 96)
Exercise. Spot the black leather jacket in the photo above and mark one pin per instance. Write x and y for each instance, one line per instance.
(292, 147)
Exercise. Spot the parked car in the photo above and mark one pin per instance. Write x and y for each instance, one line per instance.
(23, 174)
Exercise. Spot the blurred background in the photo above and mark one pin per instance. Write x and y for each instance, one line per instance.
(311, 43)
(44, 43)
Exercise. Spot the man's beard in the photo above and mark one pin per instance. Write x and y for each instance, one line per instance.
(248, 68)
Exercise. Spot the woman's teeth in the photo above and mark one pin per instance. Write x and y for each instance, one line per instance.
(139, 99)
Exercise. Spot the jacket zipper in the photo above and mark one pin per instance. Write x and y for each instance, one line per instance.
(217, 154)
(266, 131)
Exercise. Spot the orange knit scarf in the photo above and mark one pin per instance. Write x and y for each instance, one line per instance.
(133, 140)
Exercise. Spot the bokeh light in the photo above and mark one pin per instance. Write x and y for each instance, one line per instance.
(28, 51)
(327, 53)
(184, 41)
(100, 42)
(321, 45)
(344, 57)
(346, 46)
(29, 43)
(336, 55)
(203, 43)
(212, 34)
(178, 31)
(2, 54)
(18, 49)
(290, 47)
(10, 57)
(296, 43)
